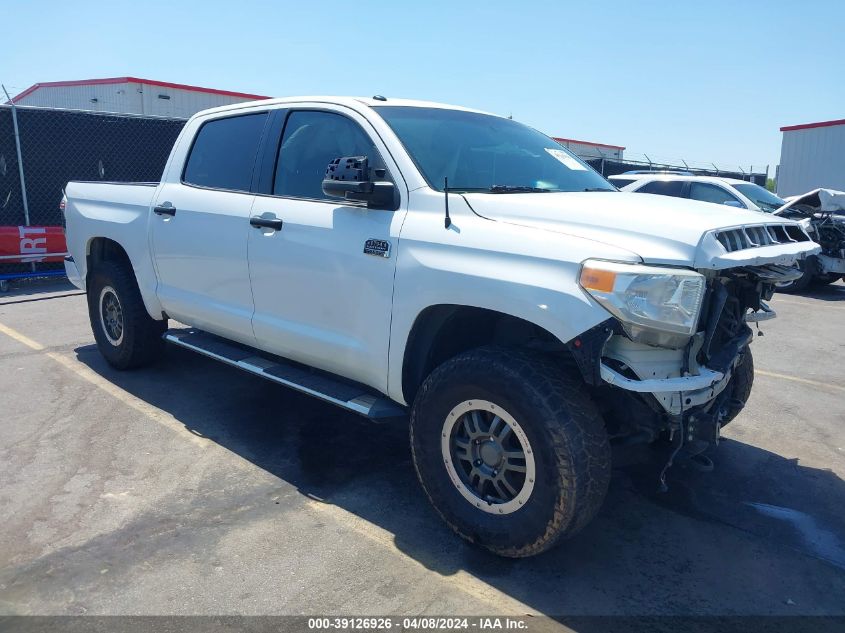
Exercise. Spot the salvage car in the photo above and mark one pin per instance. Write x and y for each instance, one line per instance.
(715, 189)
(449, 268)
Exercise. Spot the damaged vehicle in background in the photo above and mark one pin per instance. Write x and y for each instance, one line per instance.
(822, 212)
(815, 211)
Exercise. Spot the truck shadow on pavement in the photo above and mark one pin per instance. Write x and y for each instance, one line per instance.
(761, 534)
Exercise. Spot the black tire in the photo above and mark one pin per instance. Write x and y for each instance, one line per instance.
(740, 385)
(826, 279)
(140, 341)
(571, 451)
(799, 284)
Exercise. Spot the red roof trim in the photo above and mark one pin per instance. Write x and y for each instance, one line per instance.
(135, 80)
(572, 140)
(807, 126)
(29, 90)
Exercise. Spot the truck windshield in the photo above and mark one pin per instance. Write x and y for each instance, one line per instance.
(763, 198)
(481, 152)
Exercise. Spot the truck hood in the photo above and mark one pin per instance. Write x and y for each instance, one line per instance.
(658, 229)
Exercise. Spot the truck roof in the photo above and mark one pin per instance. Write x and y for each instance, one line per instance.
(351, 102)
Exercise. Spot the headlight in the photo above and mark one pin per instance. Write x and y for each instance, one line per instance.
(657, 306)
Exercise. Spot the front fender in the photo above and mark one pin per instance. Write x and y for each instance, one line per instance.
(523, 272)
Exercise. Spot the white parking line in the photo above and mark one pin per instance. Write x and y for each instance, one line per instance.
(20, 338)
(806, 381)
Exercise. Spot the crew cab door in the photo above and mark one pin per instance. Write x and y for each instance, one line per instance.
(716, 194)
(319, 298)
(199, 225)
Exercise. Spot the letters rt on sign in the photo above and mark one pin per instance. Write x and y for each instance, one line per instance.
(23, 244)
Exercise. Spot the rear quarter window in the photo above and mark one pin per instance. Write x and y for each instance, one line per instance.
(620, 182)
(224, 151)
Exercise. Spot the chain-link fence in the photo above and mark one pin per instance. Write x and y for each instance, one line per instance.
(58, 146)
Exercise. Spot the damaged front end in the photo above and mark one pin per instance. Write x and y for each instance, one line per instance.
(689, 383)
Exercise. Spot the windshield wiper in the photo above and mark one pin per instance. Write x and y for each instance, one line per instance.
(516, 189)
(599, 189)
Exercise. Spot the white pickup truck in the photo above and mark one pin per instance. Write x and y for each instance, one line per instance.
(400, 257)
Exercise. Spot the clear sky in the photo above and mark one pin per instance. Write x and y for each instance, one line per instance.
(705, 81)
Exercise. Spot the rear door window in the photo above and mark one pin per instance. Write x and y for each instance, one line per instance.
(224, 152)
(673, 188)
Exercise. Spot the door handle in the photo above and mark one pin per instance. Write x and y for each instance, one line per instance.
(165, 209)
(266, 223)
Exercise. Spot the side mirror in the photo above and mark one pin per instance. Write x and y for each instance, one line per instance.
(733, 203)
(349, 178)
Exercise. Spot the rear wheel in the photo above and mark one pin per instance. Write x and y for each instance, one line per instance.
(127, 336)
(510, 451)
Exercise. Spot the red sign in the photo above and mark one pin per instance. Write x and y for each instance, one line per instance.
(23, 244)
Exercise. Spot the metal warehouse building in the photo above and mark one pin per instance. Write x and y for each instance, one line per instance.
(129, 95)
(812, 155)
(587, 149)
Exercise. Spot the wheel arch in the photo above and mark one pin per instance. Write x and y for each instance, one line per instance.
(101, 249)
(443, 331)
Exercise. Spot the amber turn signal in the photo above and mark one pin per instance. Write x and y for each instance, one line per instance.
(596, 279)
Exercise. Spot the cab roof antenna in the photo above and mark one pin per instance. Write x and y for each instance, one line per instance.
(448, 221)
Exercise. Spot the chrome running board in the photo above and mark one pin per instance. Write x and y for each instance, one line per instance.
(321, 385)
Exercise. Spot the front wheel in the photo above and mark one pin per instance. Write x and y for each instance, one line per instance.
(509, 449)
(127, 336)
(740, 385)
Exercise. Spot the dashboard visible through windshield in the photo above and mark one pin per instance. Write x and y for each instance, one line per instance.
(482, 152)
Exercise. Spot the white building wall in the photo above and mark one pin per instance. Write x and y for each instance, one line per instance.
(811, 158)
(182, 103)
(97, 98)
(128, 98)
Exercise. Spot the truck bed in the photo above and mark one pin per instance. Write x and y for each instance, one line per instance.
(117, 211)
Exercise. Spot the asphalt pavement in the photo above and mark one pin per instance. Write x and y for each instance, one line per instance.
(192, 488)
